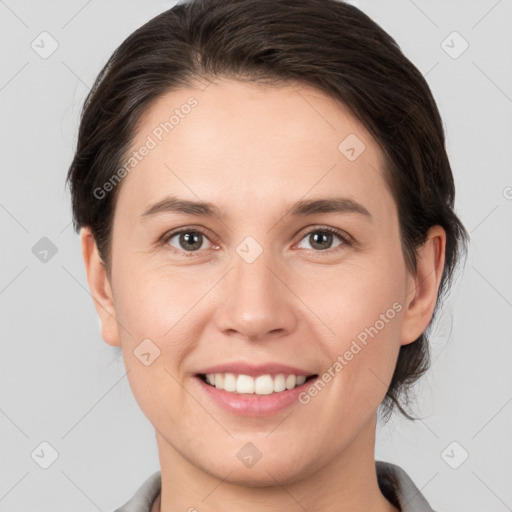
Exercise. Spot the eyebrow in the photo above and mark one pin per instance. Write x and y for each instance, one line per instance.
(303, 208)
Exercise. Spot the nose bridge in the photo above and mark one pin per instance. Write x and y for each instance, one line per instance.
(256, 302)
(254, 284)
(252, 264)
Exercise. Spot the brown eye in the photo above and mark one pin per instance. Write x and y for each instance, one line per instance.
(321, 239)
(187, 240)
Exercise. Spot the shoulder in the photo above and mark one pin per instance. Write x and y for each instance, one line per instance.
(397, 486)
(143, 499)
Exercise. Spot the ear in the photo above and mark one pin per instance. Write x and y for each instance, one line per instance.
(99, 285)
(422, 288)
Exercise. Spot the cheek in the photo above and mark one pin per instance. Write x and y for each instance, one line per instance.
(153, 307)
(155, 301)
(156, 309)
(363, 310)
(354, 299)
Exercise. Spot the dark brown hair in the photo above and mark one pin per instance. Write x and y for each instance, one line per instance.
(326, 44)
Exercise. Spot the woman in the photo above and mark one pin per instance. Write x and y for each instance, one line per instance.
(265, 207)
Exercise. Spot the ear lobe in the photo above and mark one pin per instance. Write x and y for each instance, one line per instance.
(424, 286)
(100, 287)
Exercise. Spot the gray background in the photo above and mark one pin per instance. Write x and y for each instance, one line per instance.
(61, 384)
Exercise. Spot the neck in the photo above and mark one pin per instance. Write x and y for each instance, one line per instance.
(347, 483)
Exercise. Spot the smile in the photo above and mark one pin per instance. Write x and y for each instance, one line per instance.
(260, 385)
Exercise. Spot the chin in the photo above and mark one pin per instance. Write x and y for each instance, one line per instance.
(267, 471)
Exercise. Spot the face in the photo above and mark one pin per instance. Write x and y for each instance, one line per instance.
(276, 283)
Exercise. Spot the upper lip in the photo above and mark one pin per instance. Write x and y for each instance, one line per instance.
(242, 368)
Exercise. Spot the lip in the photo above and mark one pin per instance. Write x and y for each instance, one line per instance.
(255, 370)
(244, 404)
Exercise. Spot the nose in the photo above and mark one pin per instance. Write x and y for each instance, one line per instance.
(257, 302)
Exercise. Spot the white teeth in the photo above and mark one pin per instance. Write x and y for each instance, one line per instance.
(291, 380)
(300, 380)
(244, 384)
(279, 383)
(261, 385)
(229, 382)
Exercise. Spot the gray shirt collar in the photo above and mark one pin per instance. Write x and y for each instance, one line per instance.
(394, 482)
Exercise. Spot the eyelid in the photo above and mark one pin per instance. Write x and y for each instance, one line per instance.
(319, 227)
(344, 237)
(164, 239)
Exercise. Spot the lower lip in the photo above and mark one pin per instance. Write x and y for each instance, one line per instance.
(251, 404)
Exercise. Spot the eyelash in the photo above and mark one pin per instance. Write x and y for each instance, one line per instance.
(346, 239)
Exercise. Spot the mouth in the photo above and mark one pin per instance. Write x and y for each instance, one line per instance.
(265, 384)
(249, 389)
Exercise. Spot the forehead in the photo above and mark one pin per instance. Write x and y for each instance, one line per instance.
(252, 146)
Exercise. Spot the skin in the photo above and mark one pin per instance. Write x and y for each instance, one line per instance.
(253, 150)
